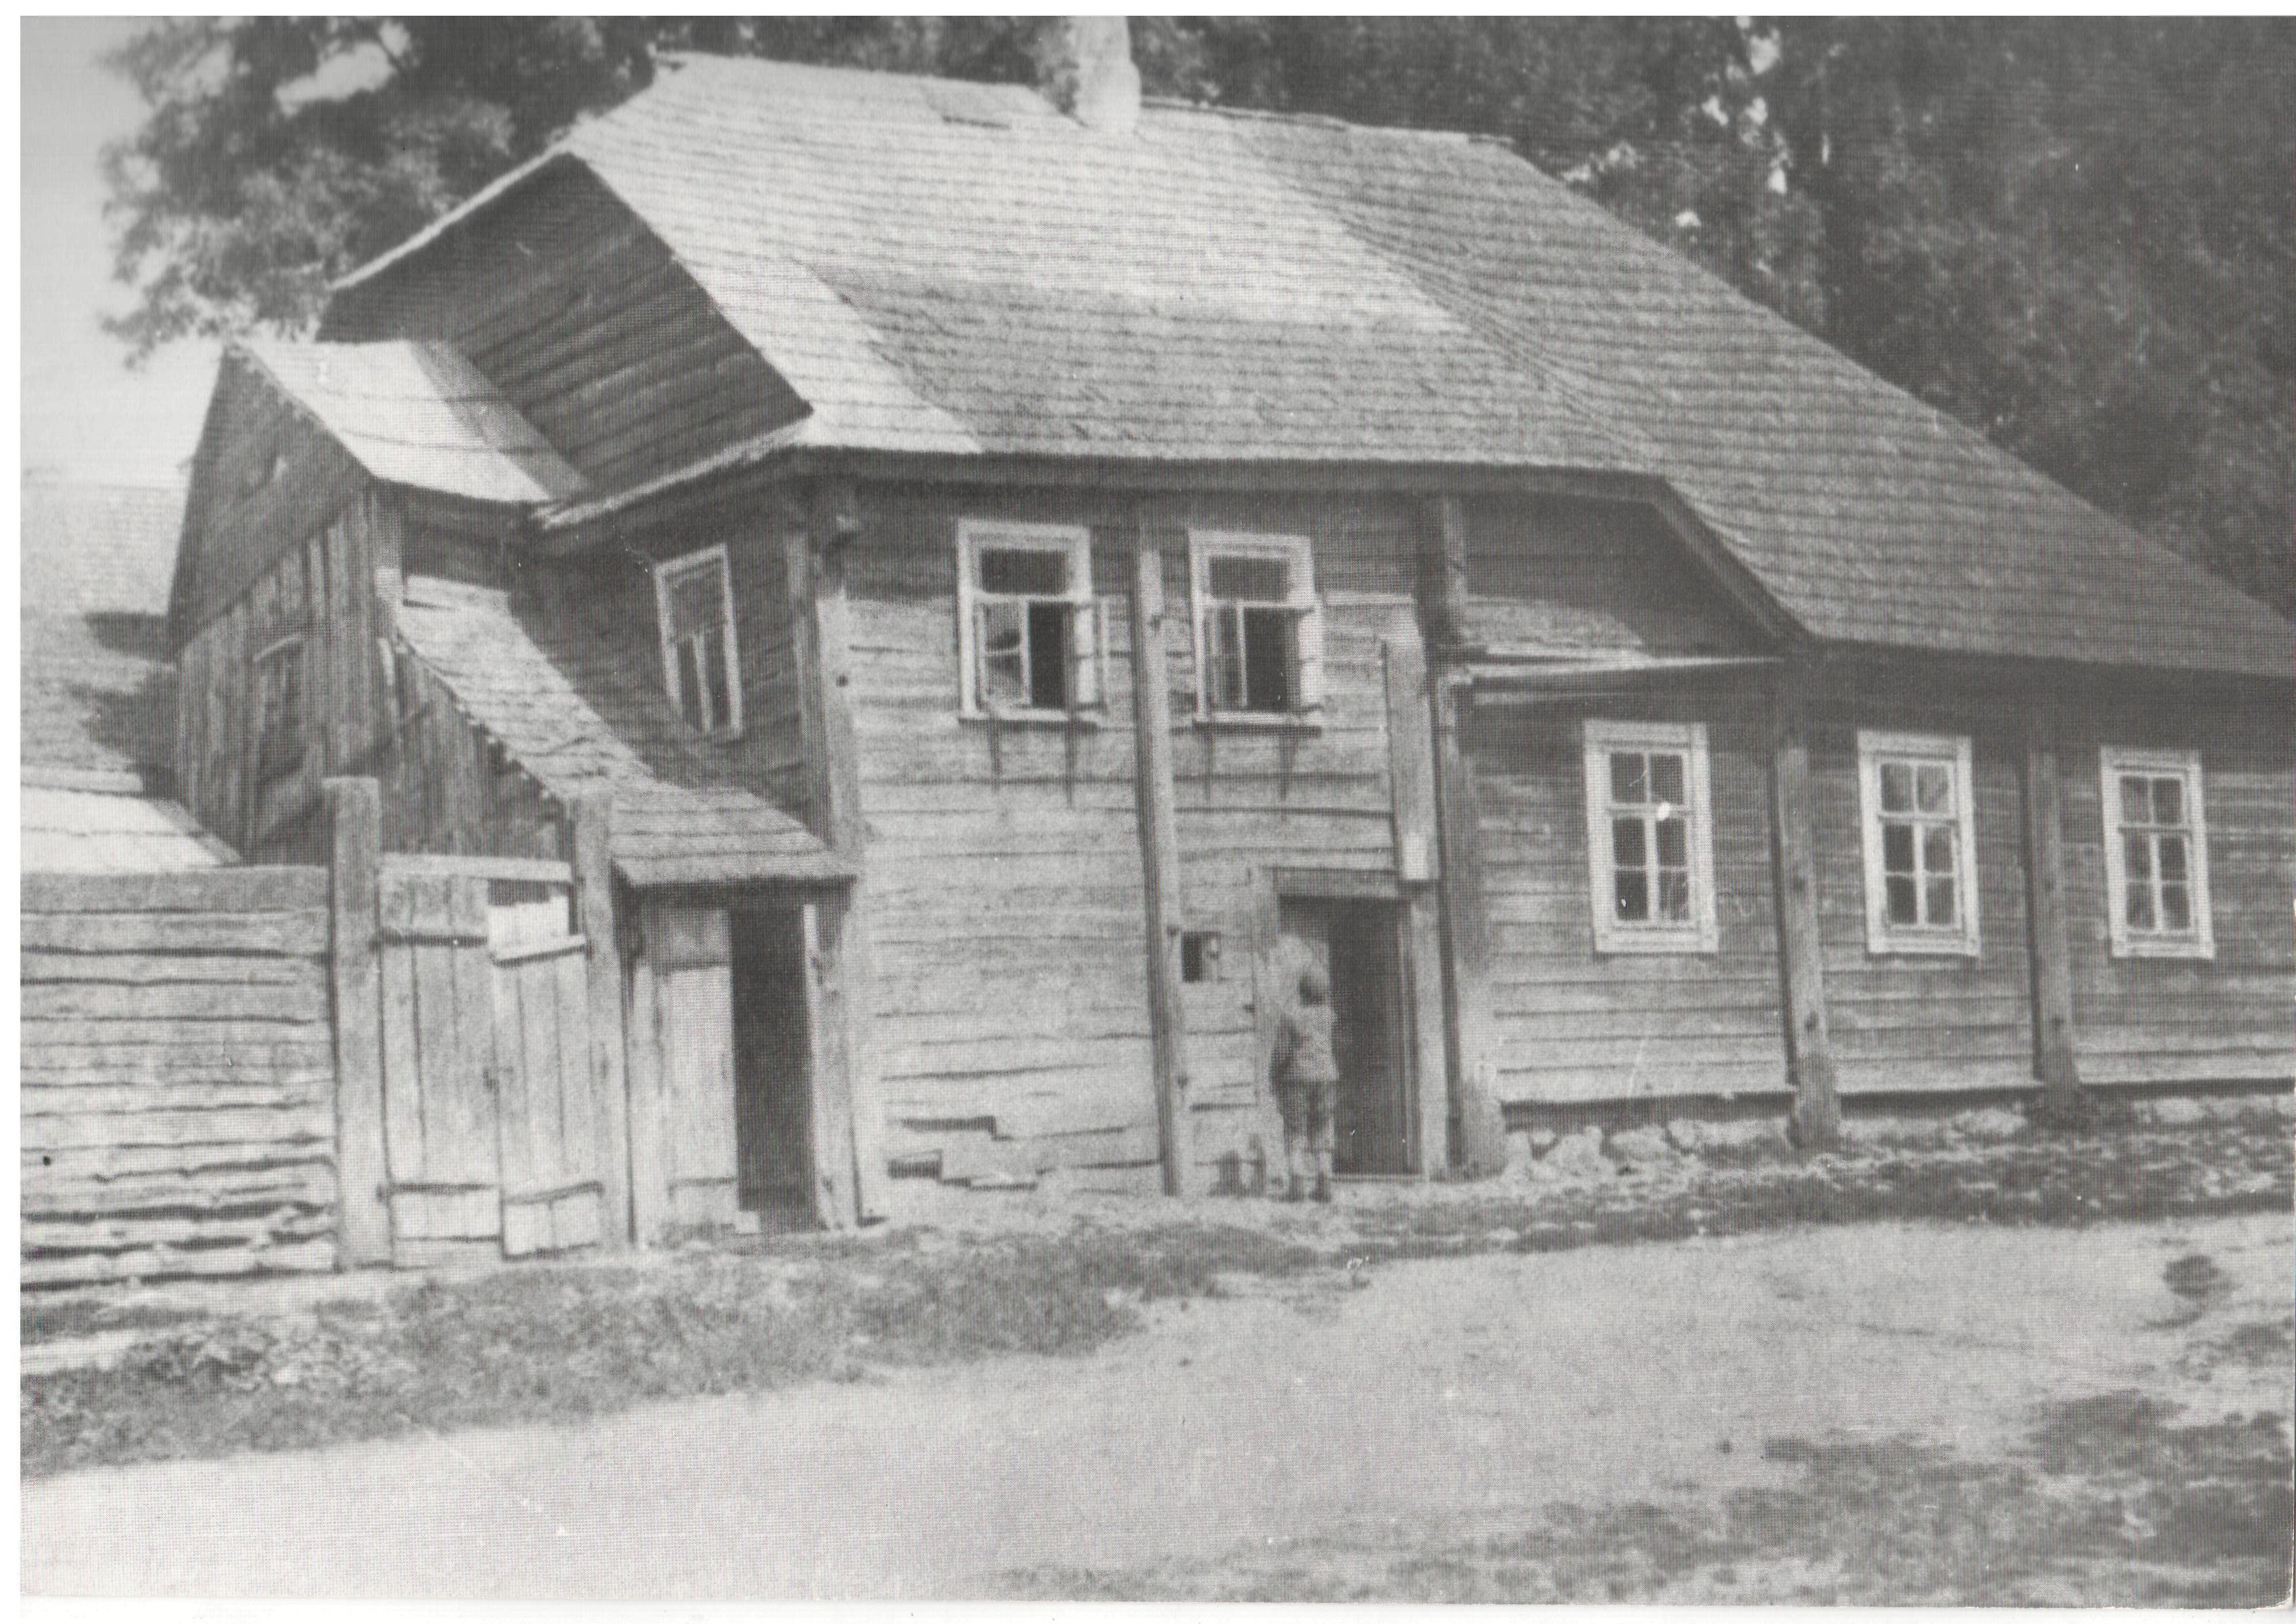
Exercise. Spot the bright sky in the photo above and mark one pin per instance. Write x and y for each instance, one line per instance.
(85, 414)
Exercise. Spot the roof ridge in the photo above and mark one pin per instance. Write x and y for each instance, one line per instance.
(1316, 121)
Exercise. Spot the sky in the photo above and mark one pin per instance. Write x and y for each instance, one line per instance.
(85, 414)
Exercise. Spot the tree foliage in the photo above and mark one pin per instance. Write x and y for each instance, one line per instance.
(2079, 237)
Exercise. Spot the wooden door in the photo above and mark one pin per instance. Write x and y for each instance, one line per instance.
(1373, 1126)
(552, 1187)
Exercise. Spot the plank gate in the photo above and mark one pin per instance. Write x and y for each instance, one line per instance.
(491, 1131)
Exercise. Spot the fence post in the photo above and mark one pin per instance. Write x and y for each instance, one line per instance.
(355, 857)
(589, 841)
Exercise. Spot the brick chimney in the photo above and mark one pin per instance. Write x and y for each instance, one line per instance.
(1084, 67)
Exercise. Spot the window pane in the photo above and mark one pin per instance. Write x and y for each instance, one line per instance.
(1937, 843)
(1004, 661)
(690, 698)
(2136, 851)
(1935, 787)
(1902, 908)
(721, 698)
(1897, 786)
(1630, 778)
(2171, 849)
(1673, 843)
(2176, 908)
(2135, 800)
(1666, 779)
(1674, 897)
(1048, 656)
(1898, 848)
(1253, 580)
(1626, 849)
(1225, 685)
(2167, 801)
(695, 600)
(1941, 901)
(1024, 573)
(1633, 894)
(1266, 660)
(2140, 907)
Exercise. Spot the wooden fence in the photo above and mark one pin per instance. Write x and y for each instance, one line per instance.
(178, 1075)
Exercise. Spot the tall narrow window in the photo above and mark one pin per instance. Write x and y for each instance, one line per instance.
(1920, 840)
(1031, 636)
(279, 709)
(700, 663)
(1650, 837)
(1260, 642)
(2156, 855)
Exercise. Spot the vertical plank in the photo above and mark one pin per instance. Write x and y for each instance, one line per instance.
(2052, 939)
(1160, 866)
(354, 814)
(1465, 933)
(1801, 973)
(642, 1023)
(590, 848)
(525, 1228)
(319, 665)
(1411, 768)
(477, 1142)
(541, 1106)
(402, 1056)
(829, 1122)
(578, 1127)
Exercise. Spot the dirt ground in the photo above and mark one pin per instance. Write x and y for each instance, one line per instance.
(1883, 1412)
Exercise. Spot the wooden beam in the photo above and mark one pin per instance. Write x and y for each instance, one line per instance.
(1160, 865)
(828, 1034)
(363, 1217)
(1411, 772)
(650, 1201)
(2054, 1062)
(1793, 858)
(589, 840)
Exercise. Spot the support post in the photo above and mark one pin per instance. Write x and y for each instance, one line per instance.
(1160, 866)
(1411, 771)
(649, 1199)
(1817, 1120)
(829, 1032)
(2053, 1064)
(362, 1212)
(589, 823)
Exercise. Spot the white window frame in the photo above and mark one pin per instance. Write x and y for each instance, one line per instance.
(2199, 942)
(1297, 554)
(1962, 938)
(1085, 682)
(1696, 934)
(666, 572)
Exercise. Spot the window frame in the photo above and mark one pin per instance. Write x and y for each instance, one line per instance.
(1964, 937)
(667, 571)
(1074, 543)
(1602, 738)
(1298, 554)
(272, 763)
(2199, 942)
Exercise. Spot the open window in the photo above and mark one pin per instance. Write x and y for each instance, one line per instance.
(1031, 636)
(2156, 854)
(700, 663)
(1916, 799)
(1260, 630)
(1650, 837)
(279, 709)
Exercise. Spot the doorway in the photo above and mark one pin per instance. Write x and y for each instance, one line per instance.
(1358, 944)
(772, 1065)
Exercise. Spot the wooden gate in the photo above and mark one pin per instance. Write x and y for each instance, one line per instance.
(490, 1130)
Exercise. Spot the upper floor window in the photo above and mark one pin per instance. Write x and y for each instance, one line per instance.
(1915, 796)
(279, 709)
(700, 663)
(1260, 632)
(2156, 854)
(1031, 635)
(1650, 837)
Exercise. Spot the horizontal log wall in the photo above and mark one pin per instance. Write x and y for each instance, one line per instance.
(178, 1075)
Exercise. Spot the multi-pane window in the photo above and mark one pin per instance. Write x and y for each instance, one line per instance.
(279, 709)
(1032, 633)
(1921, 890)
(1259, 643)
(1650, 837)
(2156, 854)
(700, 663)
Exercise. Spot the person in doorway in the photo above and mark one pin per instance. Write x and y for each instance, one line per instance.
(1307, 1074)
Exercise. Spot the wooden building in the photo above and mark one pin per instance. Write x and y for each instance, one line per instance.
(1026, 580)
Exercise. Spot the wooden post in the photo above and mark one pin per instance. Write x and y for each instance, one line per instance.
(1410, 770)
(650, 1203)
(1160, 866)
(829, 1032)
(589, 822)
(1810, 1042)
(2051, 935)
(363, 1222)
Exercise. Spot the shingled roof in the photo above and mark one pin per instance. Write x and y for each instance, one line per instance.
(566, 710)
(954, 269)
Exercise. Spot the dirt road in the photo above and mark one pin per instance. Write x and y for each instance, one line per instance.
(1627, 1421)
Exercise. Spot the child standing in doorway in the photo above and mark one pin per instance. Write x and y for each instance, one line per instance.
(1305, 1074)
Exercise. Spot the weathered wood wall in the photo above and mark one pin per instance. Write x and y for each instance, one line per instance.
(178, 1075)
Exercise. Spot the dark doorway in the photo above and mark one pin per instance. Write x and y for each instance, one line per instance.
(772, 1064)
(1357, 945)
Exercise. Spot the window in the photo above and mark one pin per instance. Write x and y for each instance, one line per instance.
(1921, 866)
(1031, 635)
(279, 705)
(700, 663)
(1199, 956)
(1259, 633)
(1650, 837)
(2156, 855)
